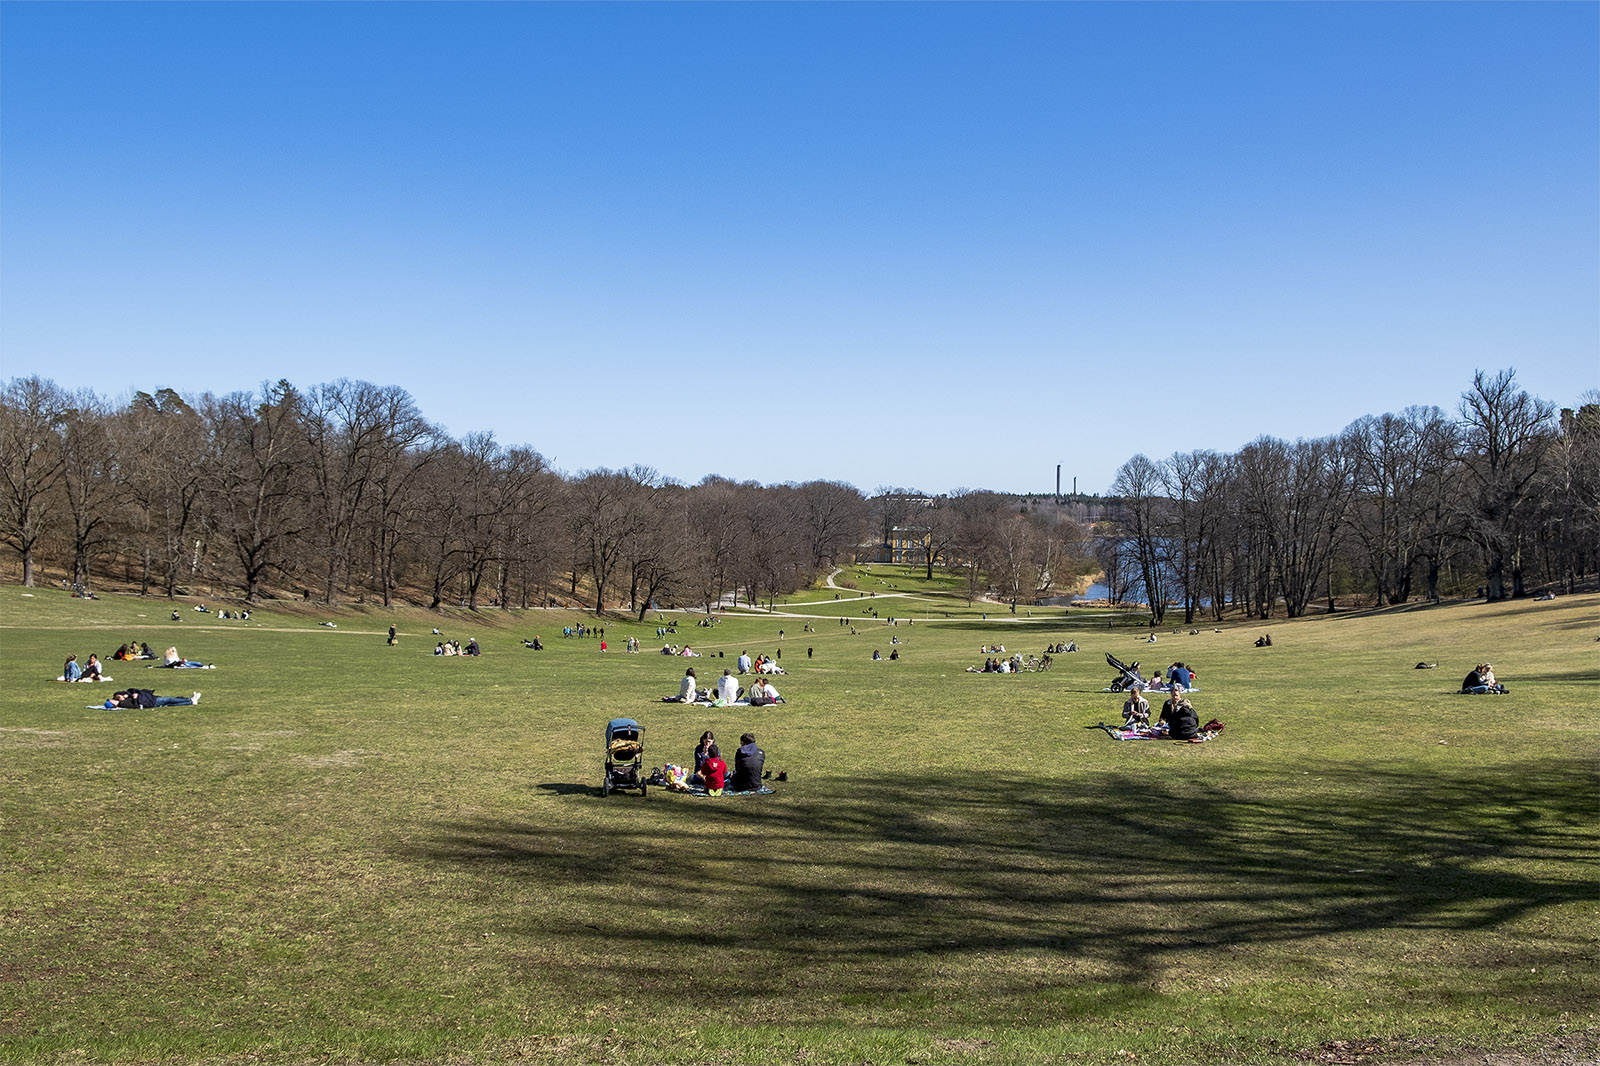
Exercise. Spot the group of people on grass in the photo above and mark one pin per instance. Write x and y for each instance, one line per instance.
(711, 769)
(91, 670)
(453, 647)
(1012, 665)
(726, 690)
(1178, 719)
(761, 664)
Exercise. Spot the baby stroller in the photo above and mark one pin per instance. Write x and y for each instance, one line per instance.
(624, 756)
(1127, 676)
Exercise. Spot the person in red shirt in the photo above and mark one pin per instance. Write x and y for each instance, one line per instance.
(714, 771)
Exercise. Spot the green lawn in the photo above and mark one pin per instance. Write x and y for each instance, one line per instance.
(349, 852)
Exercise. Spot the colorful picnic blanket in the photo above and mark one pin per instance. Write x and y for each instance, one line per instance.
(1152, 688)
(696, 790)
(1116, 732)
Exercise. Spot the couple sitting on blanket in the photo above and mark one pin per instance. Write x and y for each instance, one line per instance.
(1481, 682)
(89, 671)
(710, 770)
(1177, 715)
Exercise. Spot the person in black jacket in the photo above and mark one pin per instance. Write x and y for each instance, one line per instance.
(747, 764)
(1181, 721)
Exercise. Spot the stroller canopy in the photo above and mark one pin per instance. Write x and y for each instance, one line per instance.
(626, 727)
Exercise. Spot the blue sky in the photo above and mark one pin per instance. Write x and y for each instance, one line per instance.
(931, 246)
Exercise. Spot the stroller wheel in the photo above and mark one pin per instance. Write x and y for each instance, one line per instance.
(642, 791)
(605, 787)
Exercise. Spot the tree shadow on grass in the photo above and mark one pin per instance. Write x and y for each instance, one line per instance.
(1139, 875)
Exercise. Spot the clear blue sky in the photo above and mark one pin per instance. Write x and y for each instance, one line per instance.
(930, 246)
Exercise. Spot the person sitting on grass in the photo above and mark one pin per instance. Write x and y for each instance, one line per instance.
(72, 671)
(714, 772)
(1178, 715)
(91, 669)
(136, 698)
(728, 689)
(762, 694)
(747, 763)
(1136, 710)
(686, 688)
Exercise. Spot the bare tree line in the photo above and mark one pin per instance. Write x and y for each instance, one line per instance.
(1504, 492)
(345, 491)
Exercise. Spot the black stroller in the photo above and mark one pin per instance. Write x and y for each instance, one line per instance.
(1127, 675)
(624, 756)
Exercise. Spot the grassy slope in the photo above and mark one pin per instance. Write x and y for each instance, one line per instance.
(349, 851)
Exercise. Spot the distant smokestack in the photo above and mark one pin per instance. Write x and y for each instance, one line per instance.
(1058, 482)
(1074, 486)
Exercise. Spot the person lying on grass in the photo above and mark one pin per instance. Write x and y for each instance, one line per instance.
(175, 661)
(136, 698)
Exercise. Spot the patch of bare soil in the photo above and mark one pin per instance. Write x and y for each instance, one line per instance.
(1578, 1048)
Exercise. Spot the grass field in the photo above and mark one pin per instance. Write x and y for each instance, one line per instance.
(351, 853)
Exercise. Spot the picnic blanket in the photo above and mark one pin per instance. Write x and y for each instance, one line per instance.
(1123, 733)
(1152, 687)
(707, 703)
(696, 790)
(102, 677)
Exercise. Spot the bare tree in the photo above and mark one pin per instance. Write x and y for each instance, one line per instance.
(32, 411)
(1195, 484)
(1145, 517)
(253, 478)
(352, 428)
(88, 478)
(604, 516)
(162, 443)
(1507, 433)
(832, 517)
(713, 539)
